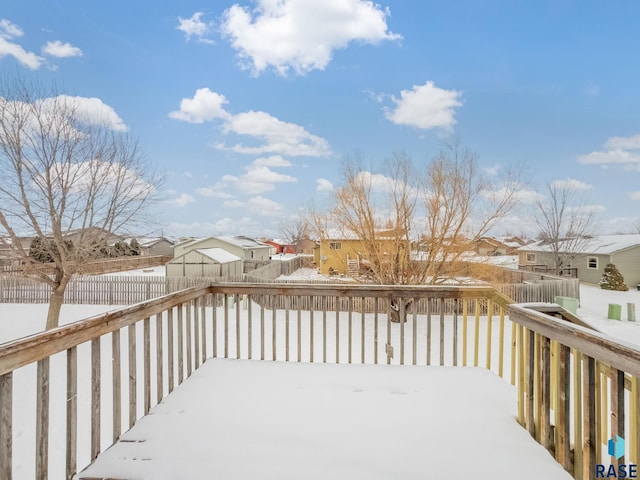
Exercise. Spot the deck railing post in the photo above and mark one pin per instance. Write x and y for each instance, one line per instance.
(95, 398)
(6, 425)
(42, 420)
(590, 439)
(71, 413)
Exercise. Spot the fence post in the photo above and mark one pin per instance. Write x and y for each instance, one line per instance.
(6, 403)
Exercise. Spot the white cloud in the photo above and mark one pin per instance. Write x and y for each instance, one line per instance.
(493, 170)
(215, 191)
(264, 206)
(621, 151)
(425, 106)
(570, 184)
(272, 161)
(324, 185)
(634, 195)
(276, 137)
(624, 143)
(232, 203)
(91, 110)
(224, 226)
(194, 27)
(203, 107)
(9, 31)
(183, 200)
(61, 50)
(257, 179)
(588, 209)
(301, 35)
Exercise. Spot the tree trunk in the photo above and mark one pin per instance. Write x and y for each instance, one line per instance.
(398, 314)
(55, 305)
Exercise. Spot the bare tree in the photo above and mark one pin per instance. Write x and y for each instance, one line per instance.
(414, 226)
(65, 171)
(295, 229)
(565, 222)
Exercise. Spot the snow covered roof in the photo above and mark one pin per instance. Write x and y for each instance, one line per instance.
(243, 242)
(219, 255)
(598, 245)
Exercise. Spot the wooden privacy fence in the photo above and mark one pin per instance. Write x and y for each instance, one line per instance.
(577, 389)
(567, 378)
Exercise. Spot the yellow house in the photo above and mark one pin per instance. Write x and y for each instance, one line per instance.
(348, 256)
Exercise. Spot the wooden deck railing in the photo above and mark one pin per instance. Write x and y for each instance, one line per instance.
(577, 388)
(131, 358)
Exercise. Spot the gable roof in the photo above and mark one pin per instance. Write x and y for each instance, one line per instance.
(219, 255)
(597, 245)
(243, 242)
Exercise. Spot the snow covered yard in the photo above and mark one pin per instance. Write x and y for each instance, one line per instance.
(237, 419)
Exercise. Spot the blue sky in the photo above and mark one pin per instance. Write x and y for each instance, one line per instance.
(248, 108)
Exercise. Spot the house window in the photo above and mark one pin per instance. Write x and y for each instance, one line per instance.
(253, 254)
(335, 245)
(592, 262)
(531, 257)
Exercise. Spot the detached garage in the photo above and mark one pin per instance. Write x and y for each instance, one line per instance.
(206, 262)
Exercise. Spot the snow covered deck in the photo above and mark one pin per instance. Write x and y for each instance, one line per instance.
(241, 419)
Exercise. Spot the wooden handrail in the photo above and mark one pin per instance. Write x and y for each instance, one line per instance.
(601, 347)
(39, 346)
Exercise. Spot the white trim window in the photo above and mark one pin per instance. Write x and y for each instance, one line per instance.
(592, 263)
(335, 245)
(531, 257)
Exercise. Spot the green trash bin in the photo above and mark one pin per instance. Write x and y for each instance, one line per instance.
(615, 311)
(568, 303)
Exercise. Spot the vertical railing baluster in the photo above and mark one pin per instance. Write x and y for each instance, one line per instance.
(274, 339)
(238, 299)
(521, 375)
(189, 339)
(388, 346)
(214, 325)
(196, 333)
(441, 305)
(180, 346)
(95, 398)
(617, 408)
(170, 356)
(6, 425)
(71, 414)
(324, 328)
(203, 327)
(362, 330)
(513, 351)
(563, 410)
(634, 421)
(261, 302)
(578, 417)
(455, 332)
(226, 326)
(336, 301)
(489, 332)
(311, 327)
(501, 344)
(414, 333)
(249, 327)
(429, 331)
(545, 393)
(133, 392)
(350, 330)
(589, 458)
(42, 420)
(159, 359)
(465, 330)
(287, 307)
(375, 330)
(147, 363)
(402, 315)
(476, 332)
(299, 329)
(116, 385)
(531, 351)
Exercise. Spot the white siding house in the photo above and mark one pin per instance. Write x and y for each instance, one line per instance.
(245, 248)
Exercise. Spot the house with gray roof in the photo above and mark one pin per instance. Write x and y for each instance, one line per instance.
(206, 262)
(245, 248)
(589, 257)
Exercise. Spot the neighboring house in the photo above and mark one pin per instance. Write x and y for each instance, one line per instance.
(246, 248)
(278, 247)
(91, 234)
(304, 246)
(491, 246)
(205, 262)
(155, 246)
(590, 258)
(343, 255)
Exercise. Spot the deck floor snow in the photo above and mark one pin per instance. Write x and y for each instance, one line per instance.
(242, 419)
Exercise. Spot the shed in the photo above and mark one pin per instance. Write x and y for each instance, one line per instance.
(205, 262)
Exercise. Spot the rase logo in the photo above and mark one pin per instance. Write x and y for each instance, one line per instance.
(615, 448)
